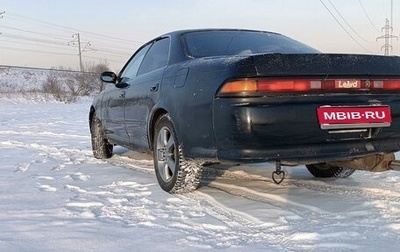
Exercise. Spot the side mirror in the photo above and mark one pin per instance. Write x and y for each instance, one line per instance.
(108, 77)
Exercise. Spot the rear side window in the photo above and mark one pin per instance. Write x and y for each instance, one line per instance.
(222, 43)
(156, 57)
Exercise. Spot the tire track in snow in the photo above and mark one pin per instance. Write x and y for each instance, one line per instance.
(374, 207)
(65, 155)
(267, 198)
(240, 225)
(303, 210)
(320, 186)
(370, 192)
(313, 223)
(144, 166)
(43, 133)
(216, 181)
(77, 156)
(382, 199)
(231, 228)
(132, 204)
(122, 202)
(236, 227)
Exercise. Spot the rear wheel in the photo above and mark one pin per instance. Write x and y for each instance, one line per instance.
(173, 172)
(101, 147)
(323, 170)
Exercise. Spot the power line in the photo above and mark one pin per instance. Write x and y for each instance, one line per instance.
(36, 35)
(56, 53)
(107, 50)
(55, 36)
(123, 50)
(119, 48)
(108, 59)
(60, 45)
(54, 26)
(337, 11)
(32, 44)
(369, 19)
(48, 24)
(35, 51)
(33, 39)
(326, 7)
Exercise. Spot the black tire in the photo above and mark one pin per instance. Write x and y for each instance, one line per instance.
(102, 149)
(323, 170)
(174, 173)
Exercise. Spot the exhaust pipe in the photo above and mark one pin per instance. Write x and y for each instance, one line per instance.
(394, 165)
(373, 163)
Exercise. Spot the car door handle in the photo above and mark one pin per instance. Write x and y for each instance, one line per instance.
(154, 88)
(122, 94)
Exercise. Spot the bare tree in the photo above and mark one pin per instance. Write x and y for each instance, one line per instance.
(53, 87)
(95, 70)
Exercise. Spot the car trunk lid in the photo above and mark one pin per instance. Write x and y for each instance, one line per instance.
(326, 65)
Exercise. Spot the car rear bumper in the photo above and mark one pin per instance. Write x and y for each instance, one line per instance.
(251, 130)
(309, 154)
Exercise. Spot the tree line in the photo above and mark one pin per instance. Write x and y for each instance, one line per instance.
(61, 84)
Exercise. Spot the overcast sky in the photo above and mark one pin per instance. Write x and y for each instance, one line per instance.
(39, 33)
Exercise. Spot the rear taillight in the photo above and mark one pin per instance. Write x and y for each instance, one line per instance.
(387, 84)
(305, 85)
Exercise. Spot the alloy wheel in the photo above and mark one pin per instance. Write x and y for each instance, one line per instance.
(166, 154)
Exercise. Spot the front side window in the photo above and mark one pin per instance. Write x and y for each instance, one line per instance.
(156, 57)
(131, 70)
(225, 42)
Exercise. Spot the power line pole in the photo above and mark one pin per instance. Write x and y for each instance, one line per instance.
(391, 22)
(391, 16)
(77, 41)
(388, 36)
(1, 15)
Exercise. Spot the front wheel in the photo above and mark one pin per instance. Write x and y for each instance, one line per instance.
(323, 170)
(102, 149)
(173, 172)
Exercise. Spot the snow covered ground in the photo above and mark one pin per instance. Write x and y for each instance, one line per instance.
(15, 79)
(54, 196)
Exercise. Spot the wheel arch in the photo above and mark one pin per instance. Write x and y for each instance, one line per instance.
(91, 114)
(152, 123)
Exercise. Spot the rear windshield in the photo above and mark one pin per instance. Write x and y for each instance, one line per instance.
(220, 43)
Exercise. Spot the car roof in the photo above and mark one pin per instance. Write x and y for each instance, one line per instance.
(180, 32)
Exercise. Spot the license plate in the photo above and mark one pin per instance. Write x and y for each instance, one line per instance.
(354, 117)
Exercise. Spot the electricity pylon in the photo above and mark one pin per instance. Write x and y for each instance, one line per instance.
(77, 41)
(387, 46)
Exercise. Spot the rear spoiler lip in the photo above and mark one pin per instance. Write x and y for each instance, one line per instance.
(326, 65)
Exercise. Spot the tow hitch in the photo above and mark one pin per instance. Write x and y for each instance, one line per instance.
(278, 175)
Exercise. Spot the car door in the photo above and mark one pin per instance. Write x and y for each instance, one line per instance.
(113, 114)
(144, 91)
(114, 100)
